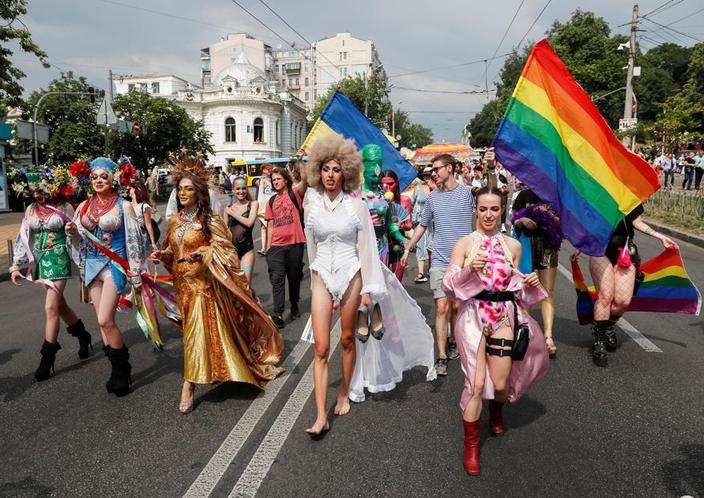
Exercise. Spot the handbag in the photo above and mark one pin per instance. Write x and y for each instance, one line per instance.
(520, 336)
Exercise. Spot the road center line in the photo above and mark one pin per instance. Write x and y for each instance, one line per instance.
(623, 324)
(260, 464)
(230, 447)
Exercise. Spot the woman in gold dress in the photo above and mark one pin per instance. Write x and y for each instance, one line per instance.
(227, 336)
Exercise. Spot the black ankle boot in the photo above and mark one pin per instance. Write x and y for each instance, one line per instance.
(610, 337)
(106, 350)
(121, 375)
(85, 345)
(599, 355)
(46, 366)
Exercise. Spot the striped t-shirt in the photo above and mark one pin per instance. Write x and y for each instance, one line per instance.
(452, 213)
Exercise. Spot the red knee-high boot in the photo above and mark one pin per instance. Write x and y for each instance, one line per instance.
(471, 447)
(496, 418)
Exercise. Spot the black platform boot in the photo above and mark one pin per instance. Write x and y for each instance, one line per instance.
(121, 375)
(85, 345)
(46, 366)
(611, 339)
(599, 354)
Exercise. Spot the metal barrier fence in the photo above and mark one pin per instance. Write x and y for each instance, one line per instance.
(684, 208)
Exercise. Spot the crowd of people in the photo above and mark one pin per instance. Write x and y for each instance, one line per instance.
(486, 246)
(688, 165)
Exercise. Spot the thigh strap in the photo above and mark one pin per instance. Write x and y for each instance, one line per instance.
(492, 341)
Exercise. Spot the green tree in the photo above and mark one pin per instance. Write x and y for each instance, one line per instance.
(370, 95)
(12, 29)
(165, 128)
(70, 115)
(412, 134)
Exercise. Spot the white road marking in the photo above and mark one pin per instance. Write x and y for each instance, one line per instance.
(228, 450)
(623, 324)
(258, 467)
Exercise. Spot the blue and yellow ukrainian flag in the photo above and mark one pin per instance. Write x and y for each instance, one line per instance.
(341, 116)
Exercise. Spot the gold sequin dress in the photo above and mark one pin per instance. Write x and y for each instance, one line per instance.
(227, 336)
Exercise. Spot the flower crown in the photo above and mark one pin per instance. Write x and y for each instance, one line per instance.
(53, 181)
(123, 173)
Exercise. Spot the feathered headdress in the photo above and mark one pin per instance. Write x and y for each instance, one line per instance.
(186, 164)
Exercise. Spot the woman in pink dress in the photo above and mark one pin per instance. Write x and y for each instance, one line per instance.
(483, 276)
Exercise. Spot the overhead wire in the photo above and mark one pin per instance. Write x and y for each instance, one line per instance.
(506, 31)
(451, 66)
(534, 22)
(673, 30)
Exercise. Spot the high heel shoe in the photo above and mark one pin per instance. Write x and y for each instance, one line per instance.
(85, 345)
(377, 325)
(46, 365)
(362, 326)
(550, 343)
(121, 374)
(187, 407)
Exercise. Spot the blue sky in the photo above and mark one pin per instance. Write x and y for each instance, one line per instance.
(91, 36)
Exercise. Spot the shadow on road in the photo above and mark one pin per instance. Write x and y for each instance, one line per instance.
(685, 476)
(26, 487)
(226, 391)
(6, 356)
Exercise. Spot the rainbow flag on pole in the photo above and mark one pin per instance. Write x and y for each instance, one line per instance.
(553, 139)
(341, 116)
(665, 288)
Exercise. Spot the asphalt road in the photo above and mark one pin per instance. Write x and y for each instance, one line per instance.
(632, 429)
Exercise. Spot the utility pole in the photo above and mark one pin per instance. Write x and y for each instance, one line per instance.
(628, 103)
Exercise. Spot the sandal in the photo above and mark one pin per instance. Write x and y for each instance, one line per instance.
(420, 278)
(550, 343)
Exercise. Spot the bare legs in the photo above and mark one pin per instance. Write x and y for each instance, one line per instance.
(499, 370)
(105, 297)
(247, 265)
(56, 309)
(321, 314)
(263, 234)
(547, 306)
(442, 315)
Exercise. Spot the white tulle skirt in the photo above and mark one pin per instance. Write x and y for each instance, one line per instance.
(407, 343)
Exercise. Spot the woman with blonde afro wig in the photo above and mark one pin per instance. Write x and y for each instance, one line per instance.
(344, 262)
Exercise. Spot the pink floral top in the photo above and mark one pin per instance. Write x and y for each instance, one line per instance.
(496, 276)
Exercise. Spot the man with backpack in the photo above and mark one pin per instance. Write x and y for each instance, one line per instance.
(285, 240)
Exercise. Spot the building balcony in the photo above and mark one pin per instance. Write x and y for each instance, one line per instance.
(292, 68)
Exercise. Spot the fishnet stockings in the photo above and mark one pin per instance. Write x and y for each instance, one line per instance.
(614, 287)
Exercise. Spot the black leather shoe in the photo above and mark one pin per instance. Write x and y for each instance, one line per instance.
(278, 321)
(295, 314)
(611, 339)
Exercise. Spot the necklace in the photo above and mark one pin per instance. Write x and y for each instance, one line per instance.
(42, 212)
(191, 222)
(99, 206)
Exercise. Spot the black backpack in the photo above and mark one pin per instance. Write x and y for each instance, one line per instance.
(292, 196)
(227, 184)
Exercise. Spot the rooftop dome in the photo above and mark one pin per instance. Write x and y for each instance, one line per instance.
(242, 71)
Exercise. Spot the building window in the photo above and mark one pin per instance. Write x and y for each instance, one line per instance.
(130, 87)
(278, 133)
(143, 87)
(340, 56)
(306, 68)
(307, 96)
(307, 81)
(155, 88)
(258, 130)
(344, 71)
(230, 128)
(297, 81)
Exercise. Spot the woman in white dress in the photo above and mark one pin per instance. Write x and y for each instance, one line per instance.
(344, 262)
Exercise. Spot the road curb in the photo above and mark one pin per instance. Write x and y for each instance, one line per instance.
(673, 232)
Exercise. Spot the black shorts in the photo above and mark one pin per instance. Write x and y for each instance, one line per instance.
(243, 246)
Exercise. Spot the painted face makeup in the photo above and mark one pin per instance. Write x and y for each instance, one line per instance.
(389, 184)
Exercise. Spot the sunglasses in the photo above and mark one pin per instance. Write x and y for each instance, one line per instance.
(438, 168)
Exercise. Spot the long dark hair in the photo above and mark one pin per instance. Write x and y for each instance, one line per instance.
(203, 201)
(141, 193)
(391, 174)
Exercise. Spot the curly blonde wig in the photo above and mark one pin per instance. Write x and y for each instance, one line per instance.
(344, 152)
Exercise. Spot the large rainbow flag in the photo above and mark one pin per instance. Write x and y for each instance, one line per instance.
(342, 116)
(665, 288)
(553, 139)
